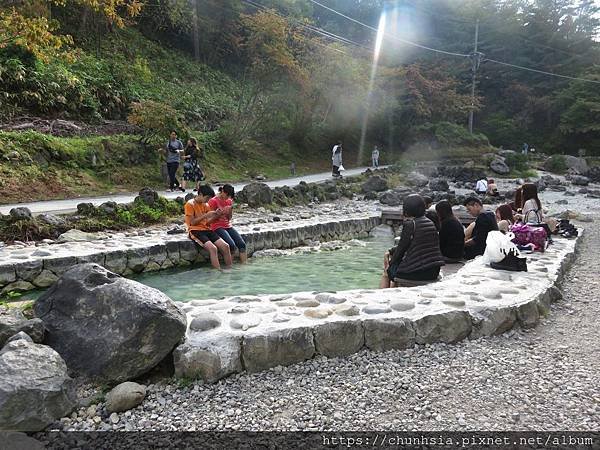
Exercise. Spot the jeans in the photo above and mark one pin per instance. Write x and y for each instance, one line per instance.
(233, 238)
(375, 162)
(172, 169)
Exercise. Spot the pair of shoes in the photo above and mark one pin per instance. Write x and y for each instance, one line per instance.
(512, 263)
(181, 189)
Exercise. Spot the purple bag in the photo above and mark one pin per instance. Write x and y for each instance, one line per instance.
(527, 234)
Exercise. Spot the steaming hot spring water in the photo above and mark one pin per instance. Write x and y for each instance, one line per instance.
(358, 264)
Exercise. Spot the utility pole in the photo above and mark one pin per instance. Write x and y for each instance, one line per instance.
(475, 60)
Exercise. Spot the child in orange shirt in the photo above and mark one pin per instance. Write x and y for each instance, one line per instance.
(198, 216)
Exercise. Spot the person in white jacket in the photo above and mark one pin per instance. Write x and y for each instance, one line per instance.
(336, 159)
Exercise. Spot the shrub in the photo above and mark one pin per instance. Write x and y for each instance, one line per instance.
(556, 164)
(517, 161)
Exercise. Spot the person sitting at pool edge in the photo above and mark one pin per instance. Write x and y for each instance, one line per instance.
(452, 233)
(223, 203)
(417, 256)
(198, 216)
(430, 212)
(484, 223)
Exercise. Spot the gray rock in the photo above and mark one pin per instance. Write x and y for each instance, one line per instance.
(79, 236)
(29, 270)
(392, 198)
(492, 322)
(257, 194)
(277, 348)
(51, 219)
(499, 166)
(245, 321)
(18, 286)
(339, 338)
(374, 184)
(106, 326)
(125, 396)
(109, 208)
(19, 441)
(580, 180)
(376, 309)
(528, 314)
(147, 196)
(12, 321)
(417, 179)
(8, 275)
(402, 305)
(20, 335)
(35, 389)
(446, 327)
(204, 322)
(208, 356)
(86, 209)
(20, 213)
(389, 334)
(437, 184)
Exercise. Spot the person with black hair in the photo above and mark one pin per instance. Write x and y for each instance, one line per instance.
(174, 148)
(223, 203)
(191, 166)
(198, 216)
(485, 221)
(417, 256)
(430, 213)
(452, 233)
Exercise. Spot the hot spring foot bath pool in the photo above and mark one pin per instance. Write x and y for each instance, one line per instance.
(359, 265)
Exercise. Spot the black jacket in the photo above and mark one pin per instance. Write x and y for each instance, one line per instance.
(485, 222)
(452, 238)
(419, 247)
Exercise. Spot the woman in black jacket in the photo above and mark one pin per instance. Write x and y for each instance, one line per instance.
(452, 233)
(417, 256)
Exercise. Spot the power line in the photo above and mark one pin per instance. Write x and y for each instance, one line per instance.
(311, 28)
(541, 71)
(405, 41)
(457, 54)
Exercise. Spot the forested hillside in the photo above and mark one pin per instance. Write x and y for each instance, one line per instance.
(262, 83)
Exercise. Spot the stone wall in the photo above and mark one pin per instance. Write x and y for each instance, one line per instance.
(29, 268)
(255, 333)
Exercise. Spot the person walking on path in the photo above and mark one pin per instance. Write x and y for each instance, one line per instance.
(174, 149)
(336, 160)
(191, 168)
(525, 148)
(375, 157)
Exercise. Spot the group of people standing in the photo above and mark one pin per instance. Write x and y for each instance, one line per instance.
(336, 159)
(190, 154)
(432, 236)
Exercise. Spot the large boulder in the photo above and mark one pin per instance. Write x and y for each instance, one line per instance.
(571, 163)
(374, 184)
(257, 194)
(106, 326)
(51, 219)
(35, 389)
(417, 179)
(499, 166)
(13, 321)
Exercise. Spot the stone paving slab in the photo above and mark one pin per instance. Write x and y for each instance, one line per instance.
(255, 333)
(27, 267)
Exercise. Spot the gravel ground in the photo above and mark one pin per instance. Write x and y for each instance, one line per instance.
(541, 379)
